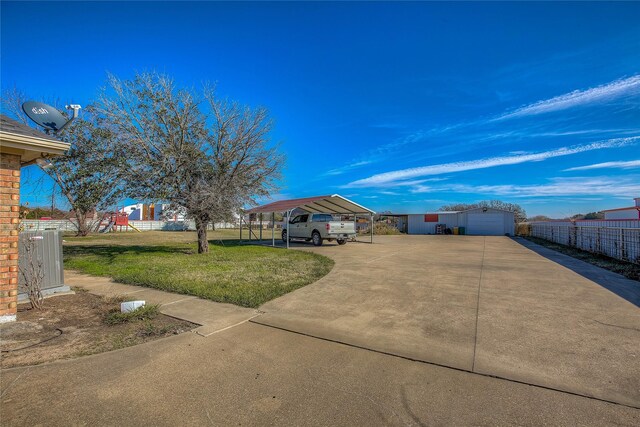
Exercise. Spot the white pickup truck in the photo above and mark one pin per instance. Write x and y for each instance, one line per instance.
(318, 227)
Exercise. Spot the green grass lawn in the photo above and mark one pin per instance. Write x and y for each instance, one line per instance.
(238, 274)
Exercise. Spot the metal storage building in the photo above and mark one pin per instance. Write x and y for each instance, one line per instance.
(478, 221)
(426, 223)
(632, 212)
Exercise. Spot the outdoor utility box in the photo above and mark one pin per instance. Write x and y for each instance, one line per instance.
(46, 255)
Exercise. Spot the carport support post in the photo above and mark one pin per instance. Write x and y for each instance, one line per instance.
(288, 216)
(260, 227)
(355, 225)
(273, 229)
(371, 217)
(241, 219)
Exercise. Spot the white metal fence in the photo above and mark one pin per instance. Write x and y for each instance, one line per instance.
(54, 224)
(69, 225)
(616, 239)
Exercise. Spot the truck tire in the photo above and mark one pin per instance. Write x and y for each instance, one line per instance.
(342, 241)
(316, 238)
(284, 236)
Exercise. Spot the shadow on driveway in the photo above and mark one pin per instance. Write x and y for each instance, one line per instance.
(616, 283)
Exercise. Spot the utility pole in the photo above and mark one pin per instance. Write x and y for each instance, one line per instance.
(53, 199)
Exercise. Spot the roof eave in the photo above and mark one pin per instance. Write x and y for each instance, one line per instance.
(32, 143)
(307, 204)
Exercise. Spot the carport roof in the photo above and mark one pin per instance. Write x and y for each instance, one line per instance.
(325, 204)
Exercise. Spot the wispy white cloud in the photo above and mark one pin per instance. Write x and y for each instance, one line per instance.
(631, 164)
(350, 166)
(401, 176)
(421, 189)
(568, 199)
(614, 89)
(584, 132)
(400, 183)
(575, 186)
(483, 129)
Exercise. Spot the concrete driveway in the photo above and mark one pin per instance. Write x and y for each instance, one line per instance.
(488, 305)
(415, 296)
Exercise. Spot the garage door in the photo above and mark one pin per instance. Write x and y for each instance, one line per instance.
(485, 224)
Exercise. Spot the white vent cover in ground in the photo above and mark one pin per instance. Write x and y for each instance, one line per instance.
(130, 306)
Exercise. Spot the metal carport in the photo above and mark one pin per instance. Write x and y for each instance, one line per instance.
(333, 204)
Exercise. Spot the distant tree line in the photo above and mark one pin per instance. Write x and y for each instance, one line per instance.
(42, 212)
(590, 215)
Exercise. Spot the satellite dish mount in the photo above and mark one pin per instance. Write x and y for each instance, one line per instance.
(48, 117)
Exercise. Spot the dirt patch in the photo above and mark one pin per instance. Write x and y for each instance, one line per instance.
(71, 326)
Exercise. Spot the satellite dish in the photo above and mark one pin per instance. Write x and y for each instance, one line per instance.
(44, 115)
(47, 116)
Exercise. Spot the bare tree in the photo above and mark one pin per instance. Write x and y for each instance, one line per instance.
(32, 272)
(11, 104)
(87, 174)
(206, 156)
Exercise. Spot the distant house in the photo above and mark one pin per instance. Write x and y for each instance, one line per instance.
(142, 212)
(152, 212)
(631, 212)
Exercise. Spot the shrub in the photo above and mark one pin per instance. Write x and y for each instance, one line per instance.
(382, 228)
(523, 229)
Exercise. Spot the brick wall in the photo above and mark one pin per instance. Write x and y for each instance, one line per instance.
(9, 219)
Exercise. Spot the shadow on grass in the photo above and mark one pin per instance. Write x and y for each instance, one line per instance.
(614, 282)
(225, 243)
(111, 251)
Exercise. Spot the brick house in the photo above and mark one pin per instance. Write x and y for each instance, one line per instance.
(20, 146)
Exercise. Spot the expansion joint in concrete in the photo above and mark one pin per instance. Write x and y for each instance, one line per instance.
(475, 336)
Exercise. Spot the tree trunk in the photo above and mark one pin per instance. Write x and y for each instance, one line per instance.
(81, 219)
(203, 243)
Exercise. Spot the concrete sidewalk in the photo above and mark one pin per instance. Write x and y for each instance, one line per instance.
(212, 316)
(254, 375)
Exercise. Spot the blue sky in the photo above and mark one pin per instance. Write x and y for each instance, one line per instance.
(400, 106)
